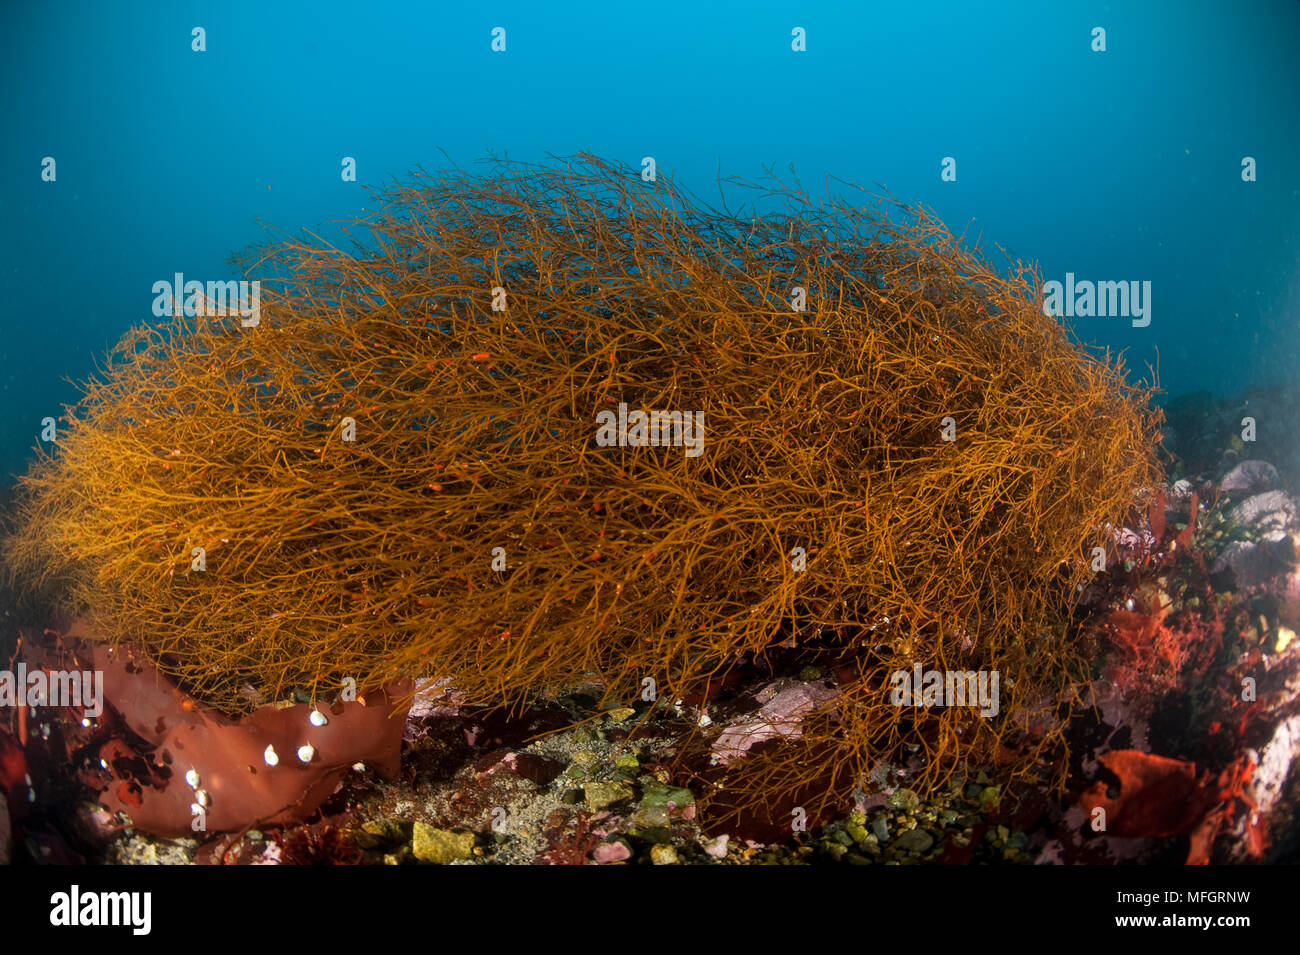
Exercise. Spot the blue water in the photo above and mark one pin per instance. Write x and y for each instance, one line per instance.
(1115, 165)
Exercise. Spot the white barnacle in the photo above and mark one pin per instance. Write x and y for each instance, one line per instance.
(270, 756)
(318, 718)
(201, 797)
(305, 752)
(192, 777)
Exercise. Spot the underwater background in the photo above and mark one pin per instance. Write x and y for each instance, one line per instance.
(1122, 165)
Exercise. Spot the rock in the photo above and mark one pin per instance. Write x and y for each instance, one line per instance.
(663, 855)
(904, 798)
(1289, 610)
(538, 770)
(1252, 475)
(651, 817)
(90, 822)
(881, 829)
(657, 835)
(1251, 564)
(603, 795)
(435, 697)
(1242, 558)
(654, 793)
(1272, 510)
(440, 846)
(386, 830)
(779, 716)
(5, 835)
(1275, 782)
(914, 840)
(1276, 761)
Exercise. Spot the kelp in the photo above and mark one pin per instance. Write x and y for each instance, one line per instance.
(904, 461)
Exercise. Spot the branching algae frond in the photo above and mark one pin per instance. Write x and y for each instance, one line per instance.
(903, 460)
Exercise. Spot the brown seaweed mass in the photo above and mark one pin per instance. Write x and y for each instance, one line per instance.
(473, 333)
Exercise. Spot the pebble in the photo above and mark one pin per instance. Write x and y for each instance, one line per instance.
(440, 846)
(607, 852)
(602, 795)
(914, 840)
(663, 855)
(717, 848)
